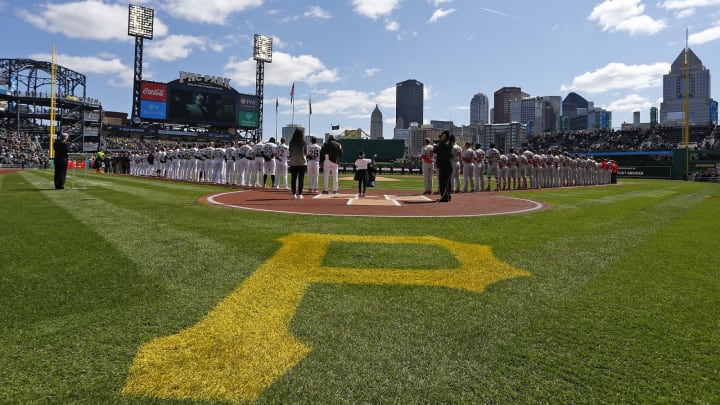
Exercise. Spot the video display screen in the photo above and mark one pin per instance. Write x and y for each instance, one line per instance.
(202, 106)
(154, 110)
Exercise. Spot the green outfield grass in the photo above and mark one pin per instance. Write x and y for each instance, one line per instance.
(621, 304)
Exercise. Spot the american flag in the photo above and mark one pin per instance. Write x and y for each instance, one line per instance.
(292, 94)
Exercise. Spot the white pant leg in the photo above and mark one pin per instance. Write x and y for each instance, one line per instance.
(313, 175)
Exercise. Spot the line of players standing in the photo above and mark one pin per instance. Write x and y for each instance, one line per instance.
(525, 169)
(248, 164)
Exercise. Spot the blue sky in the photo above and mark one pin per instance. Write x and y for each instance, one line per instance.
(349, 54)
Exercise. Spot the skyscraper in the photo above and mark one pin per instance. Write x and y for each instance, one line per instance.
(408, 103)
(574, 105)
(541, 114)
(479, 109)
(376, 124)
(506, 103)
(675, 89)
(580, 114)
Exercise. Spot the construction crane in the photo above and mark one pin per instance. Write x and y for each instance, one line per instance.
(356, 134)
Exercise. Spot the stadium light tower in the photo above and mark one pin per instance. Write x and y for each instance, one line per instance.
(140, 26)
(262, 52)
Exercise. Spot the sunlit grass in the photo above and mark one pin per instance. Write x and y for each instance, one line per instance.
(622, 304)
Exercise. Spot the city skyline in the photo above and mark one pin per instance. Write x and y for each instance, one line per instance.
(348, 56)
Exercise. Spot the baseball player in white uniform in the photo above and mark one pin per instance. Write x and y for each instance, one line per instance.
(504, 170)
(245, 163)
(230, 165)
(270, 165)
(208, 162)
(457, 165)
(493, 167)
(479, 168)
(468, 168)
(259, 163)
(513, 164)
(313, 158)
(428, 166)
(282, 154)
(218, 165)
(523, 166)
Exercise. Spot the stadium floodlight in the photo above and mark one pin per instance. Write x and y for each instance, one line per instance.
(262, 52)
(140, 26)
(262, 48)
(140, 21)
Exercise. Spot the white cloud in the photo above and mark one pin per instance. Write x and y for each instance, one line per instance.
(318, 12)
(369, 72)
(630, 103)
(386, 98)
(440, 13)
(498, 13)
(708, 35)
(176, 47)
(687, 4)
(284, 70)
(392, 26)
(351, 104)
(208, 11)
(685, 13)
(375, 8)
(615, 76)
(109, 65)
(89, 19)
(437, 3)
(686, 8)
(625, 15)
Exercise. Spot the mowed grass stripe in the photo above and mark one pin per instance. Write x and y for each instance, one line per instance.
(159, 249)
(638, 331)
(592, 324)
(141, 187)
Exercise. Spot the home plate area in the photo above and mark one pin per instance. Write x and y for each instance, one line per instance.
(375, 203)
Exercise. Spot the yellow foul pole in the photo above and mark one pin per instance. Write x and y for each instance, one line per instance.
(52, 105)
(686, 131)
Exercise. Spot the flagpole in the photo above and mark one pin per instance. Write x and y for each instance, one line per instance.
(309, 114)
(292, 101)
(277, 103)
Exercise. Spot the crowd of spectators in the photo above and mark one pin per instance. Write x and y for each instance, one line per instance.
(21, 150)
(24, 150)
(625, 140)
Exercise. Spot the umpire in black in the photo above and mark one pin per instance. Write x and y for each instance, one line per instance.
(62, 149)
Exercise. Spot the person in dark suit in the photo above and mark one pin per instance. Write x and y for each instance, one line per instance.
(443, 159)
(62, 150)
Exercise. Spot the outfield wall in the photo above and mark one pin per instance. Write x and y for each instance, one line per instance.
(387, 150)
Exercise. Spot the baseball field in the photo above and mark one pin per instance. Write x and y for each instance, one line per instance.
(129, 290)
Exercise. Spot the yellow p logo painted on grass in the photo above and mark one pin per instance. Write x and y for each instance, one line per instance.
(243, 345)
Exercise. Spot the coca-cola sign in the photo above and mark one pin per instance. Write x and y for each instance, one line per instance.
(153, 91)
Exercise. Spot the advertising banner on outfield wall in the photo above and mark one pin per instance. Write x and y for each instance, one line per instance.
(649, 172)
